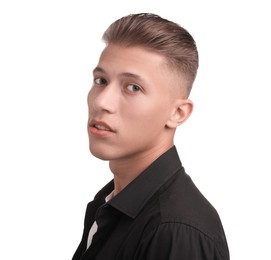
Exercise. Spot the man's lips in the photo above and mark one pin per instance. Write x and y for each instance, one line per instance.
(100, 126)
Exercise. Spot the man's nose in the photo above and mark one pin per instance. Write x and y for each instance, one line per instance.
(105, 99)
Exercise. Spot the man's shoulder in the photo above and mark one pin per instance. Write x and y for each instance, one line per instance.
(182, 202)
(183, 213)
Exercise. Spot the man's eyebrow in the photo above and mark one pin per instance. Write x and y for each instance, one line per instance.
(98, 69)
(132, 75)
(124, 74)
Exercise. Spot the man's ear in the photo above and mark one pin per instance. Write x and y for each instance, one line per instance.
(181, 111)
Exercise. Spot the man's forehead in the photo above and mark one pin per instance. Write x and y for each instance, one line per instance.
(131, 59)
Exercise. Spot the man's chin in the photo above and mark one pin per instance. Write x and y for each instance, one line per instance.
(99, 154)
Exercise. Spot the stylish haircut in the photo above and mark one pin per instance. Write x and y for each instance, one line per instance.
(161, 36)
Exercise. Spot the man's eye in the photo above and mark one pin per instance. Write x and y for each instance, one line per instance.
(133, 88)
(100, 81)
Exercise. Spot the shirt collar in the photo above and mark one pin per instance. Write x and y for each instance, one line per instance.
(136, 194)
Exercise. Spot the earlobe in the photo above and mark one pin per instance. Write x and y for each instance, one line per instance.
(180, 113)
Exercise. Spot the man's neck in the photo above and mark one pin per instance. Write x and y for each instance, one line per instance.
(126, 170)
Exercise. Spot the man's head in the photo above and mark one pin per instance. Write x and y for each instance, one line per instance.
(140, 88)
(161, 36)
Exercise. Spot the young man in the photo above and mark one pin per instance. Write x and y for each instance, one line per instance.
(151, 209)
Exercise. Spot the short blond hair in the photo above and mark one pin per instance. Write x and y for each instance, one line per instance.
(161, 36)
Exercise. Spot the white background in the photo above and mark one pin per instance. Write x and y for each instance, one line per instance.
(47, 52)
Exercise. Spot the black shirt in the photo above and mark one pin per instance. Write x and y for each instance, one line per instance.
(160, 215)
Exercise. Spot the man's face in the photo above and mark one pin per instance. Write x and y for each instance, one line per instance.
(129, 104)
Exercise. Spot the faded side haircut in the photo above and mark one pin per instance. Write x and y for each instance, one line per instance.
(161, 36)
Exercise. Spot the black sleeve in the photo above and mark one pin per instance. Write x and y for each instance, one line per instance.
(175, 241)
